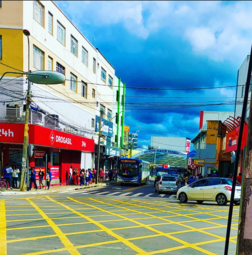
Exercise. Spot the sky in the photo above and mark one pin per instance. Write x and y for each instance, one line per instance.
(168, 45)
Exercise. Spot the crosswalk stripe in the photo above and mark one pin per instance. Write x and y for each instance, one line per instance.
(161, 195)
(114, 193)
(137, 194)
(127, 193)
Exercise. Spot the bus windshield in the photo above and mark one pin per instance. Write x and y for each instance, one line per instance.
(128, 169)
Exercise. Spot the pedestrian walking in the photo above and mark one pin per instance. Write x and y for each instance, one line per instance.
(48, 178)
(87, 177)
(33, 179)
(41, 177)
(15, 176)
(81, 176)
(74, 176)
(90, 176)
(110, 174)
(101, 175)
(191, 180)
(70, 175)
(7, 175)
(95, 174)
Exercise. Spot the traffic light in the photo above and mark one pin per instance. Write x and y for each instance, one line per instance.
(30, 150)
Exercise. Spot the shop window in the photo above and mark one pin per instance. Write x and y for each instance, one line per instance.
(39, 162)
(55, 158)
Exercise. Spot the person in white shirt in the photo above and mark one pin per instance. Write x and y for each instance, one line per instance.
(87, 177)
(15, 176)
(70, 175)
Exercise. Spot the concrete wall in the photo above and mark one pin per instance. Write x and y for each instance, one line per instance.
(216, 115)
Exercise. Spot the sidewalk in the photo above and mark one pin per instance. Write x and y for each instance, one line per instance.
(53, 189)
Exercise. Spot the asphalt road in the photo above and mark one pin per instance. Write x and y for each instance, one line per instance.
(121, 220)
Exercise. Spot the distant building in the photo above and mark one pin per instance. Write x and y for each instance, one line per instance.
(135, 139)
(171, 143)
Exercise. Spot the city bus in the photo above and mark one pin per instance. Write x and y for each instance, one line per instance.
(134, 171)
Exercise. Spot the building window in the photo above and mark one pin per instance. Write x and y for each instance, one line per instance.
(50, 23)
(93, 93)
(0, 3)
(38, 58)
(1, 47)
(73, 83)
(60, 68)
(102, 108)
(117, 97)
(38, 12)
(103, 75)
(94, 65)
(110, 81)
(93, 125)
(84, 89)
(84, 56)
(61, 33)
(242, 91)
(74, 46)
(50, 63)
(117, 118)
(109, 114)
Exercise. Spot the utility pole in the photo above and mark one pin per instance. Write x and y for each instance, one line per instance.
(25, 167)
(131, 145)
(244, 243)
(99, 142)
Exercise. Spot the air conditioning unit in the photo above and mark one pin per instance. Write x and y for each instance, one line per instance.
(13, 112)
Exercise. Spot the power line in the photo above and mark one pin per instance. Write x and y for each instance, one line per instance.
(11, 67)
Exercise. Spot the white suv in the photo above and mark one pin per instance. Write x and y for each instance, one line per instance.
(210, 189)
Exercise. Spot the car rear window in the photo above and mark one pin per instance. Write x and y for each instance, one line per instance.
(168, 179)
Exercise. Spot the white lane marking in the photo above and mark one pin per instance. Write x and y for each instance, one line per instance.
(124, 194)
(114, 193)
(137, 194)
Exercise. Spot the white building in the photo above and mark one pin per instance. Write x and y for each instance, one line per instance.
(181, 144)
(57, 44)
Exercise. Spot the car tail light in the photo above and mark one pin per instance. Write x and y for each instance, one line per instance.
(155, 179)
(160, 182)
(229, 188)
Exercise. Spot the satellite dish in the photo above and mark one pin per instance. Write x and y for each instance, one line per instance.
(46, 77)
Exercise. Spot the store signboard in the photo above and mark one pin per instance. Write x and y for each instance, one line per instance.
(188, 145)
(14, 133)
(106, 126)
(232, 139)
(39, 154)
(55, 172)
(112, 151)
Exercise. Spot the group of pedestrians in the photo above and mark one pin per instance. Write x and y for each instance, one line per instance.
(41, 174)
(81, 177)
(11, 175)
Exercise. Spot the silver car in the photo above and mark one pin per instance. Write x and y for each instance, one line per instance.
(167, 183)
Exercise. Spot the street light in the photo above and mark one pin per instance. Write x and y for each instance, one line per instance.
(39, 77)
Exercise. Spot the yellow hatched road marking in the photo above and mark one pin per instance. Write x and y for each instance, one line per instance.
(145, 226)
(177, 223)
(109, 231)
(183, 215)
(3, 245)
(69, 246)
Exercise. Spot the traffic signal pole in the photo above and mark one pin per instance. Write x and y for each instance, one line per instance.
(246, 208)
(25, 167)
(244, 240)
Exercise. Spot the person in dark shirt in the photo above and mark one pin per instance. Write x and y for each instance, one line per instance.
(33, 179)
(41, 177)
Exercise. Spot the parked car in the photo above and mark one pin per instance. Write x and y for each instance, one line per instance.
(210, 189)
(166, 183)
